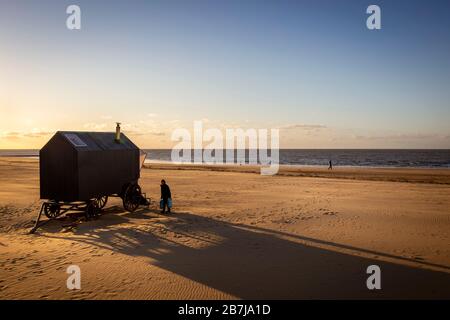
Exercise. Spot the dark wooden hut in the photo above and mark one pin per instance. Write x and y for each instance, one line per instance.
(78, 166)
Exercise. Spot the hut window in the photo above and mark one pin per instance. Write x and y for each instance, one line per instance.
(75, 140)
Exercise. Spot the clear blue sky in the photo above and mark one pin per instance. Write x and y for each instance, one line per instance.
(297, 65)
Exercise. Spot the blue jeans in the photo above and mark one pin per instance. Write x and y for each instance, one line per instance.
(165, 204)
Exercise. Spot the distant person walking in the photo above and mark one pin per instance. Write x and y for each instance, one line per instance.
(330, 167)
(165, 197)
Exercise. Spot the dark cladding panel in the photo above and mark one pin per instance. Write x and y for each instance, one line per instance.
(57, 164)
(106, 172)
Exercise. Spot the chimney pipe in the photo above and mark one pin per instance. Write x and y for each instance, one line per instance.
(117, 139)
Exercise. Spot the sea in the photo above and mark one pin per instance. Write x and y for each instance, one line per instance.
(401, 158)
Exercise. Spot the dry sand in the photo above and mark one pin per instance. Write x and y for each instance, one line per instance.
(306, 233)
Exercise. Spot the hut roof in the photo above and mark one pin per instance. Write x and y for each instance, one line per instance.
(90, 141)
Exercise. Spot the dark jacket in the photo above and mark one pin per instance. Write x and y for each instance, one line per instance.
(165, 192)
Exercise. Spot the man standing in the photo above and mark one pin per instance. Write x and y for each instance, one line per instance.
(165, 196)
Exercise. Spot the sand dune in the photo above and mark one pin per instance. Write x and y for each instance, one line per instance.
(307, 233)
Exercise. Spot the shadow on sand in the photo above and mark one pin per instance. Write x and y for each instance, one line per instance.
(257, 263)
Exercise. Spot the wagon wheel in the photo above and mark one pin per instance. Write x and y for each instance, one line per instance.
(101, 201)
(51, 210)
(132, 197)
(92, 209)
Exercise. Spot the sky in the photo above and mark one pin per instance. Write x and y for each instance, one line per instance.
(311, 69)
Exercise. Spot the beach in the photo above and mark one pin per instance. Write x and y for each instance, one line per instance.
(306, 233)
